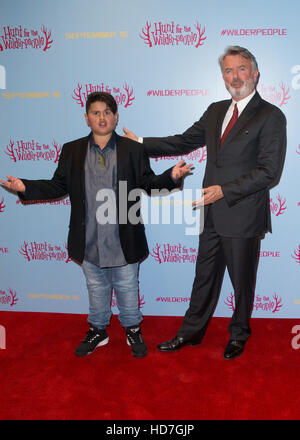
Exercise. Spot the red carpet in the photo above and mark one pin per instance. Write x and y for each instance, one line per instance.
(42, 379)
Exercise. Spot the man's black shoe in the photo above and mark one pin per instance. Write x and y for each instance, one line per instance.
(176, 343)
(234, 349)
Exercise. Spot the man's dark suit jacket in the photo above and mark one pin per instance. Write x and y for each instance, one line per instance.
(132, 166)
(249, 162)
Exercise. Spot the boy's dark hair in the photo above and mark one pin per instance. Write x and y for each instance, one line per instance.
(102, 97)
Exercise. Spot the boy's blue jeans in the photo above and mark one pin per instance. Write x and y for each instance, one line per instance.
(100, 282)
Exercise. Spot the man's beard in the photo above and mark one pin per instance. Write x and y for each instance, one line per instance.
(246, 88)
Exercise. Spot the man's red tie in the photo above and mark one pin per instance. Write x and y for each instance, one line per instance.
(231, 123)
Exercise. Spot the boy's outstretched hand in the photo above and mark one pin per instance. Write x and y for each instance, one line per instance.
(181, 170)
(13, 184)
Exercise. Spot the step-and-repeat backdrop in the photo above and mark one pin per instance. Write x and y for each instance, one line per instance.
(159, 60)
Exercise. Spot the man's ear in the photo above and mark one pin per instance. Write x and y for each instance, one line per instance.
(86, 119)
(256, 76)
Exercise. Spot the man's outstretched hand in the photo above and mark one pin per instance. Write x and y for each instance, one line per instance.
(181, 170)
(178, 171)
(13, 184)
(130, 134)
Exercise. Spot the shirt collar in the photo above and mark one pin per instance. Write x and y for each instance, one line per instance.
(243, 102)
(110, 145)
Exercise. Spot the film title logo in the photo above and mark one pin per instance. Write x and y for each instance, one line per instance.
(167, 253)
(22, 38)
(199, 155)
(123, 96)
(278, 206)
(8, 298)
(264, 303)
(171, 34)
(34, 251)
(275, 95)
(3, 250)
(22, 150)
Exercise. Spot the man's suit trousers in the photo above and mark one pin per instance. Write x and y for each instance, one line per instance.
(215, 254)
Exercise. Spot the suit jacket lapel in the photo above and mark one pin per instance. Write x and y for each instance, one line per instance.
(220, 118)
(223, 107)
(79, 162)
(121, 158)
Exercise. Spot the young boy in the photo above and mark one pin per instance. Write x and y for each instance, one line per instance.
(109, 252)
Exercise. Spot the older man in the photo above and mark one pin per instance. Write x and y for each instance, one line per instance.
(246, 141)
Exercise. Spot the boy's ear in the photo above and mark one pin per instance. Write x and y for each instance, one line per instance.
(86, 119)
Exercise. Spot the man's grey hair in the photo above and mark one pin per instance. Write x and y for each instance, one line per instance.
(237, 50)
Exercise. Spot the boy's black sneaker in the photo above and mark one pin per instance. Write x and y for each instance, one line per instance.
(94, 338)
(135, 340)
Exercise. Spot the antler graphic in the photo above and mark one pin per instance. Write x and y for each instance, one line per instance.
(2, 206)
(285, 92)
(282, 208)
(77, 93)
(14, 298)
(141, 302)
(201, 33)
(68, 258)
(57, 149)
(273, 206)
(203, 155)
(48, 41)
(10, 151)
(298, 149)
(24, 251)
(129, 95)
(155, 254)
(296, 255)
(146, 34)
(277, 303)
(229, 301)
